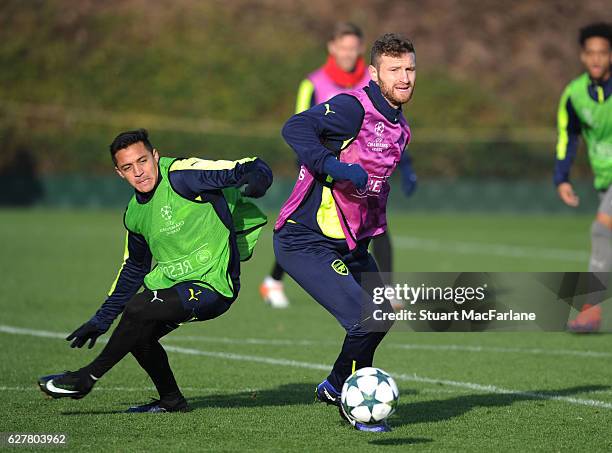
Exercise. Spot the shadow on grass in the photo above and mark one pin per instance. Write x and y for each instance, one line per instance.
(284, 395)
(400, 441)
(446, 409)
(418, 412)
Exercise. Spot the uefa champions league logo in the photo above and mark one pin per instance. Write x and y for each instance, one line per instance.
(379, 128)
(170, 227)
(377, 145)
(166, 212)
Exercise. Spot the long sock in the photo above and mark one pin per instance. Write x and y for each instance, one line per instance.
(381, 246)
(357, 352)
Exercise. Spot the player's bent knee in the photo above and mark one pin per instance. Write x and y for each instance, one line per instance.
(370, 326)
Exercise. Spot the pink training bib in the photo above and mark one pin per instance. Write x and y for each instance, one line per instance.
(378, 149)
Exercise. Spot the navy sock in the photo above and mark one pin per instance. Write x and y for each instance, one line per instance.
(357, 352)
(277, 271)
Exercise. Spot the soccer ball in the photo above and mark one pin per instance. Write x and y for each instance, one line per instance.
(369, 395)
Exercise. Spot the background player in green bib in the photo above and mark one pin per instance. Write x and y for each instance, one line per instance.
(586, 110)
(190, 216)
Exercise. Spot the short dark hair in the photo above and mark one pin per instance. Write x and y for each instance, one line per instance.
(125, 139)
(390, 44)
(599, 29)
(344, 29)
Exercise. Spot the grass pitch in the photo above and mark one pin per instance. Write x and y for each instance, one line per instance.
(250, 374)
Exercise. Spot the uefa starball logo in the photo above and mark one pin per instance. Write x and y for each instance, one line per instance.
(171, 226)
(379, 128)
(377, 145)
(166, 212)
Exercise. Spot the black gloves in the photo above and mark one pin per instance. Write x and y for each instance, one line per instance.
(88, 331)
(255, 184)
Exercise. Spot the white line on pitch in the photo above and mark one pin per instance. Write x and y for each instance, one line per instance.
(318, 366)
(98, 388)
(278, 342)
(541, 351)
(254, 341)
(479, 248)
(415, 346)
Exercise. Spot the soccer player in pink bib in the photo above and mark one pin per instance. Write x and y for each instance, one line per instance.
(345, 70)
(348, 146)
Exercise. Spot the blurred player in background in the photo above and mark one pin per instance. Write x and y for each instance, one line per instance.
(189, 216)
(348, 146)
(344, 70)
(586, 110)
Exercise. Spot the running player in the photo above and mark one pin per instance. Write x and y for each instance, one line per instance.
(586, 110)
(189, 216)
(348, 147)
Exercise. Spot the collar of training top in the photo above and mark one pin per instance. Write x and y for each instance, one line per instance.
(381, 104)
(595, 85)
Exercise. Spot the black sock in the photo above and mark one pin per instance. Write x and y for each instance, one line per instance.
(153, 359)
(277, 271)
(381, 246)
(358, 349)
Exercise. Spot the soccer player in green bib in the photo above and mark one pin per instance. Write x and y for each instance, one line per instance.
(586, 110)
(191, 216)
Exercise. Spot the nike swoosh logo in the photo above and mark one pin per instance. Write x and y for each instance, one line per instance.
(55, 389)
(328, 395)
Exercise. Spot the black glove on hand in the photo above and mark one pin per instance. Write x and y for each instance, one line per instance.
(88, 331)
(255, 183)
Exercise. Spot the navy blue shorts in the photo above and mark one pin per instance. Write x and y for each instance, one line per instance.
(203, 303)
(337, 278)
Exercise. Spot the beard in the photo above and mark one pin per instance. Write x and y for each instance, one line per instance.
(389, 93)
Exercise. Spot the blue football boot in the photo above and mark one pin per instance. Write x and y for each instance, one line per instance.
(326, 393)
(381, 427)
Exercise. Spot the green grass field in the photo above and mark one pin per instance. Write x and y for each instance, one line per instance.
(250, 374)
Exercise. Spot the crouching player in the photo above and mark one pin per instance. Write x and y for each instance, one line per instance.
(190, 216)
(349, 146)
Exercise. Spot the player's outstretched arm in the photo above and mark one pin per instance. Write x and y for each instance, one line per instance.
(192, 177)
(136, 264)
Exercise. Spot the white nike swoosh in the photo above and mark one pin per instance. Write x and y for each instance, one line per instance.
(55, 389)
(328, 395)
